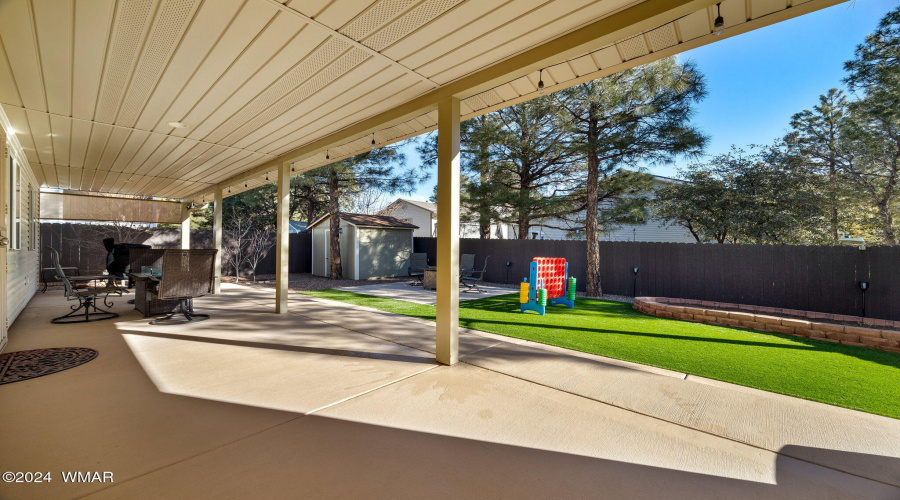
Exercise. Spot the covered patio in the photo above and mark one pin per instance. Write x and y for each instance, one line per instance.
(338, 400)
(184, 102)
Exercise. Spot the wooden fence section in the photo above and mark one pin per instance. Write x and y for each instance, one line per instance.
(81, 245)
(811, 278)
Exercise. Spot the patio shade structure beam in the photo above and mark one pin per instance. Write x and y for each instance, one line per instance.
(217, 240)
(282, 245)
(447, 310)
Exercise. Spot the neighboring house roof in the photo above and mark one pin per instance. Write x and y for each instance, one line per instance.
(363, 220)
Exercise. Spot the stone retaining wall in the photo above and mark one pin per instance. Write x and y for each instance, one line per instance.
(874, 333)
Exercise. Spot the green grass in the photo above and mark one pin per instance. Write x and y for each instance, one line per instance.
(852, 377)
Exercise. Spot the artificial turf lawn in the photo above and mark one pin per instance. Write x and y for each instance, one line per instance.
(849, 376)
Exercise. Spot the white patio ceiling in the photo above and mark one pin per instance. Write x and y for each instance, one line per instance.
(89, 86)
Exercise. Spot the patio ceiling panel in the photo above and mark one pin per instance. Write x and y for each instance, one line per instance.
(318, 119)
(90, 86)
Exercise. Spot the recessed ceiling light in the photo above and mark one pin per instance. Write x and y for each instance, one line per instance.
(177, 124)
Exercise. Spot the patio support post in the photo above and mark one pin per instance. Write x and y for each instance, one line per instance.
(282, 235)
(217, 239)
(447, 348)
(185, 226)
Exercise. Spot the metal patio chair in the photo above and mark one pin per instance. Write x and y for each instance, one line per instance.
(471, 278)
(418, 262)
(185, 274)
(86, 310)
(466, 263)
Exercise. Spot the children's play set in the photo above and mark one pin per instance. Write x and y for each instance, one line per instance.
(548, 279)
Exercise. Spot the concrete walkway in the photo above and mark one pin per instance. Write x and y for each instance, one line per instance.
(341, 401)
(401, 290)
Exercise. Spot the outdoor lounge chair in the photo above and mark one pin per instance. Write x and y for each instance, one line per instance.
(86, 310)
(418, 262)
(471, 278)
(186, 274)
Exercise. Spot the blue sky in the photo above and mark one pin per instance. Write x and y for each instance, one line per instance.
(757, 80)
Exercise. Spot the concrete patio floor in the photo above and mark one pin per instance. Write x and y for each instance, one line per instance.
(401, 290)
(334, 400)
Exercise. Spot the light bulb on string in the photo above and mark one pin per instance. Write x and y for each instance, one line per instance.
(719, 24)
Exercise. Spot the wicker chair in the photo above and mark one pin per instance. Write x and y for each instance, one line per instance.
(186, 274)
(141, 257)
(86, 310)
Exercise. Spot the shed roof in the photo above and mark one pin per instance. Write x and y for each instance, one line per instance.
(364, 220)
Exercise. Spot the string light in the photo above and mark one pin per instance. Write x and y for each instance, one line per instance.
(719, 24)
(326, 155)
(373, 138)
(541, 82)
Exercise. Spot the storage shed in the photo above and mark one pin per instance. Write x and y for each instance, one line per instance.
(372, 246)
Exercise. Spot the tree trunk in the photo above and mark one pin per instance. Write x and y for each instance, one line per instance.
(311, 207)
(592, 257)
(523, 228)
(887, 223)
(484, 229)
(336, 271)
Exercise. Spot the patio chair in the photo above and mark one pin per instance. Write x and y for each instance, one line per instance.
(86, 310)
(418, 262)
(470, 280)
(466, 263)
(185, 274)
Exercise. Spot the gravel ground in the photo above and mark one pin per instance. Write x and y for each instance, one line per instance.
(303, 282)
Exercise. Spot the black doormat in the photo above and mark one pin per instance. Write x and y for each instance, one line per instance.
(23, 365)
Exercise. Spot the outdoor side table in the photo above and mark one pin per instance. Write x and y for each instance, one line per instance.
(145, 296)
(429, 281)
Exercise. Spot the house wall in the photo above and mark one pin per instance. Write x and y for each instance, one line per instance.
(23, 261)
(651, 231)
(384, 252)
(418, 216)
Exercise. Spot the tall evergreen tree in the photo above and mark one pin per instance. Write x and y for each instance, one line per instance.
(816, 135)
(640, 116)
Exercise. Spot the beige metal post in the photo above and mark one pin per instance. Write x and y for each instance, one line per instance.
(282, 230)
(217, 238)
(185, 226)
(448, 232)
